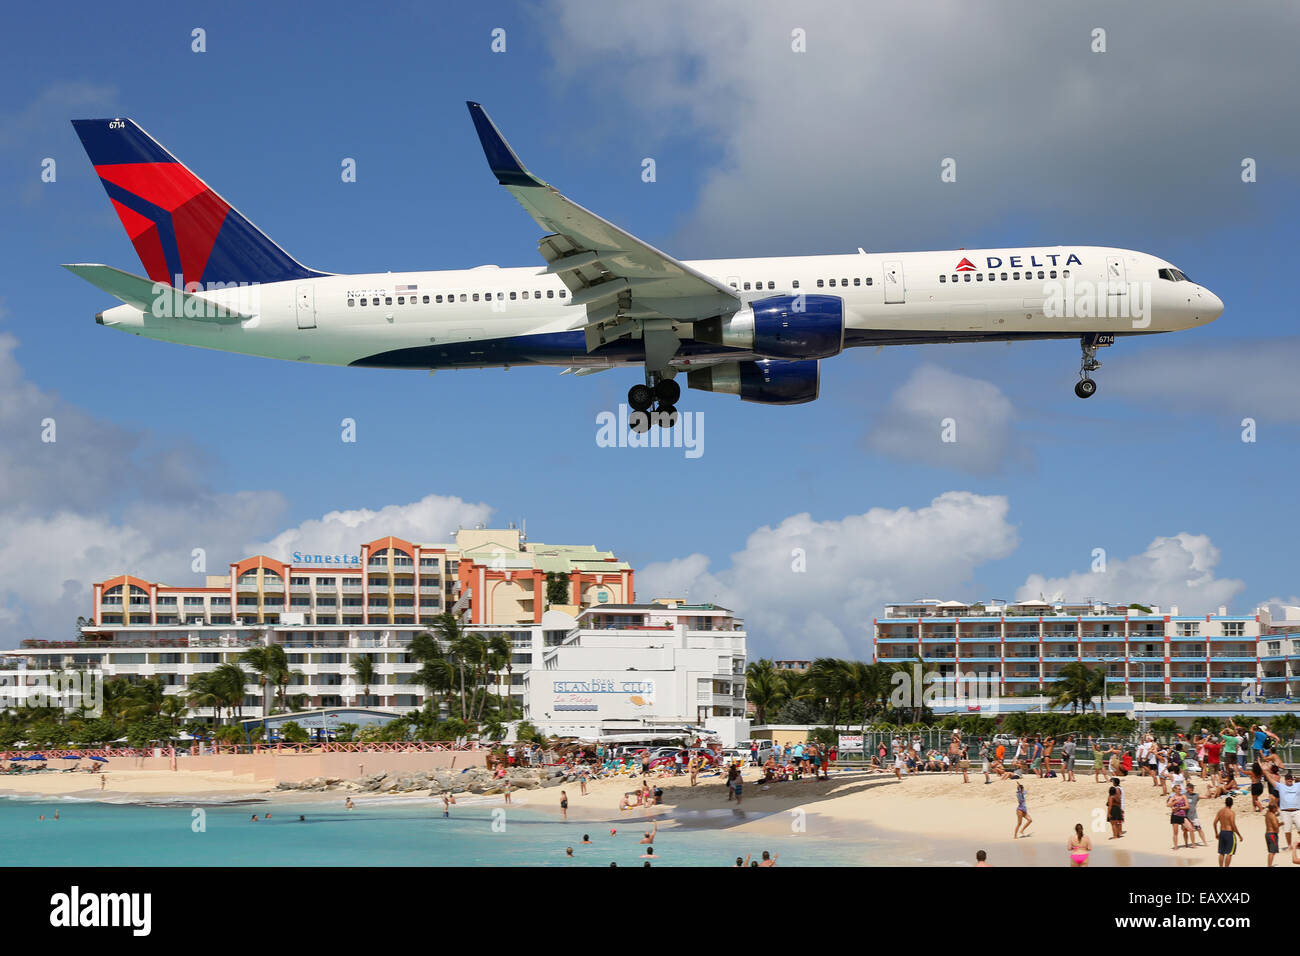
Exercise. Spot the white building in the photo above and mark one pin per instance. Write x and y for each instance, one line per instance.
(634, 666)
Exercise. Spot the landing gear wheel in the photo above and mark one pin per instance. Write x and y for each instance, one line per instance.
(666, 415)
(639, 422)
(1086, 388)
(640, 397)
(667, 391)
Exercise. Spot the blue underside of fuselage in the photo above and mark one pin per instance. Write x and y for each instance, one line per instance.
(569, 348)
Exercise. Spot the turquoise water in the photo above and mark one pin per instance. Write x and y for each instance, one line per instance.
(382, 834)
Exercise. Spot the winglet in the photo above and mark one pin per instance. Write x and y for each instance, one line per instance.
(503, 162)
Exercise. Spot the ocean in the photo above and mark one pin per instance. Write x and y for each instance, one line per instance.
(379, 833)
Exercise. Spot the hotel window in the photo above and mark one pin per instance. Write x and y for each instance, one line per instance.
(1188, 628)
(1234, 629)
(198, 601)
(300, 580)
(169, 601)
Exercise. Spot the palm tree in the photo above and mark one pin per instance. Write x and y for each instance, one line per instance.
(363, 666)
(496, 655)
(828, 681)
(764, 688)
(228, 682)
(436, 674)
(174, 709)
(271, 664)
(202, 692)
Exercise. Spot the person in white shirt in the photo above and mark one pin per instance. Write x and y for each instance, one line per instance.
(1288, 798)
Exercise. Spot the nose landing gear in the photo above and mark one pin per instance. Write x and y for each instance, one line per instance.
(1089, 344)
(659, 391)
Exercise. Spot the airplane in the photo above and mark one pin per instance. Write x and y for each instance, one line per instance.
(756, 328)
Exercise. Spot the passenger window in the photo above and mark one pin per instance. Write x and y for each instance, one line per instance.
(426, 300)
(537, 293)
(364, 302)
(770, 285)
(525, 293)
(794, 284)
(1015, 275)
(943, 278)
(550, 293)
(401, 300)
(820, 282)
(513, 296)
(746, 286)
(954, 278)
(857, 282)
(351, 303)
(868, 280)
(475, 296)
(734, 286)
(563, 293)
(844, 282)
(374, 301)
(832, 283)
(1004, 277)
(1053, 274)
(967, 276)
(979, 277)
(1065, 273)
(388, 300)
(1040, 274)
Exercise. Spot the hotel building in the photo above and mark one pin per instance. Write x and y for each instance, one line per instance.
(327, 609)
(1021, 647)
(641, 665)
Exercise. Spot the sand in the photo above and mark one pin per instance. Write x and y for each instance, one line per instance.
(943, 817)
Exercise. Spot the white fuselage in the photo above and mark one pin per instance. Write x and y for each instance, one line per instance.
(490, 316)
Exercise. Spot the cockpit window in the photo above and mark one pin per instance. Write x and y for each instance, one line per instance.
(1173, 275)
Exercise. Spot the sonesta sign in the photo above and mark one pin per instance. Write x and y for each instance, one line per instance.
(301, 558)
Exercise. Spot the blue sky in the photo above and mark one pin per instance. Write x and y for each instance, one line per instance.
(758, 152)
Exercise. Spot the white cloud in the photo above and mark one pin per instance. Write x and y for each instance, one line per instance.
(853, 566)
(432, 518)
(1173, 571)
(841, 145)
(940, 418)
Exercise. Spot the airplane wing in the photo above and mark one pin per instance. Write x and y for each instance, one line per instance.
(157, 298)
(626, 285)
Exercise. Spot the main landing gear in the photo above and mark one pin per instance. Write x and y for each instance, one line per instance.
(654, 403)
(1086, 387)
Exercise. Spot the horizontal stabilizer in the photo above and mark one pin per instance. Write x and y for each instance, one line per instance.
(156, 298)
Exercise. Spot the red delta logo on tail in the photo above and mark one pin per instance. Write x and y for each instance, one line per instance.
(183, 232)
(965, 265)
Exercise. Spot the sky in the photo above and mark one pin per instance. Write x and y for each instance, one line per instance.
(775, 130)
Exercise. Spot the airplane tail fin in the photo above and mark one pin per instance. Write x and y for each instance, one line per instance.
(181, 229)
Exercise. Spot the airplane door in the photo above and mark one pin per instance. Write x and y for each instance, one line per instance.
(306, 307)
(1116, 281)
(894, 285)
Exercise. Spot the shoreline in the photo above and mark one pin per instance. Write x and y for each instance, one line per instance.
(944, 819)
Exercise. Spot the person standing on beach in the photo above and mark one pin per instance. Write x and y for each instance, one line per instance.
(1193, 798)
(1177, 804)
(564, 806)
(1068, 748)
(1272, 822)
(1226, 832)
(1114, 813)
(1288, 795)
(1022, 812)
(1080, 845)
(1230, 744)
(1098, 762)
(984, 761)
(963, 761)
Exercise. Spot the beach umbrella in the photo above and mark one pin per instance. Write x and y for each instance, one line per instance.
(36, 757)
(100, 759)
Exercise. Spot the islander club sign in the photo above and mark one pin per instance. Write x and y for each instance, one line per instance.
(300, 558)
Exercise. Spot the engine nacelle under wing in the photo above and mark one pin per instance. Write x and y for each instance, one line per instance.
(765, 381)
(782, 326)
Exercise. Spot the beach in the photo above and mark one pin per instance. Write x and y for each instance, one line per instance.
(942, 818)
